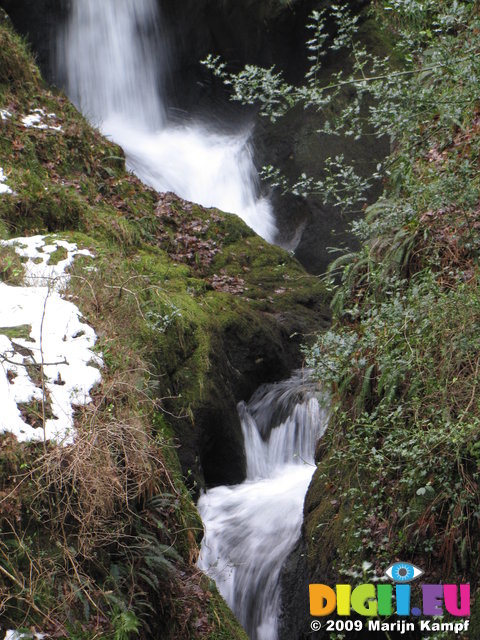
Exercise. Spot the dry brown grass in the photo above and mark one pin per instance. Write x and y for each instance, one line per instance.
(78, 510)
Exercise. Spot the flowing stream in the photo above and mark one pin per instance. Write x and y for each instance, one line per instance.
(114, 56)
(251, 528)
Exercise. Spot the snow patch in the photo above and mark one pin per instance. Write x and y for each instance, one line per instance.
(39, 271)
(4, 114)
(4, 188)
(18, 635)
(45, 347)
(39, 119)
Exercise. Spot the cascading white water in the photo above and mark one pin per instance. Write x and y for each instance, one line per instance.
(251, 528)
(112, 55)
(113, 59)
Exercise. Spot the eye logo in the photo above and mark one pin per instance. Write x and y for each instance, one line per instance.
(403, 572)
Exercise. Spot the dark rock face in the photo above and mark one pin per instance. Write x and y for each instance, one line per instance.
(241, 32)
(309, 225)
(324, 542)
(246, 354)
(267, 34)
(294, 579)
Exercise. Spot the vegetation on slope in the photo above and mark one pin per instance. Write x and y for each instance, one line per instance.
(399, 467)
(99, 539)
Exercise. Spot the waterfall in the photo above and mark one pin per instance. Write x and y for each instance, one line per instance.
(251, 528)
(113, 59)
(113, 56)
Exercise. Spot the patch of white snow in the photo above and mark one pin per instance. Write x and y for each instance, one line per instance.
(4, 188)
(54, 340)
(37, 120)
(18, 635)
(38, 270)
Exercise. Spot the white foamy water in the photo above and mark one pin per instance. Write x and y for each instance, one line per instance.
(251, 528)
(113, 57)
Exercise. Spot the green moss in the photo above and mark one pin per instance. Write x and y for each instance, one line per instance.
(328, 531)
(16, 65)
(58, 255)
(225, 626)
(22, 331)
(11, 270)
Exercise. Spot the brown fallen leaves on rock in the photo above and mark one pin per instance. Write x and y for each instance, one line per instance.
(188, 239)
(228, 284)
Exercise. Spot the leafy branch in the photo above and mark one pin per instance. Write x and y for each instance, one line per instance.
(435, 83)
